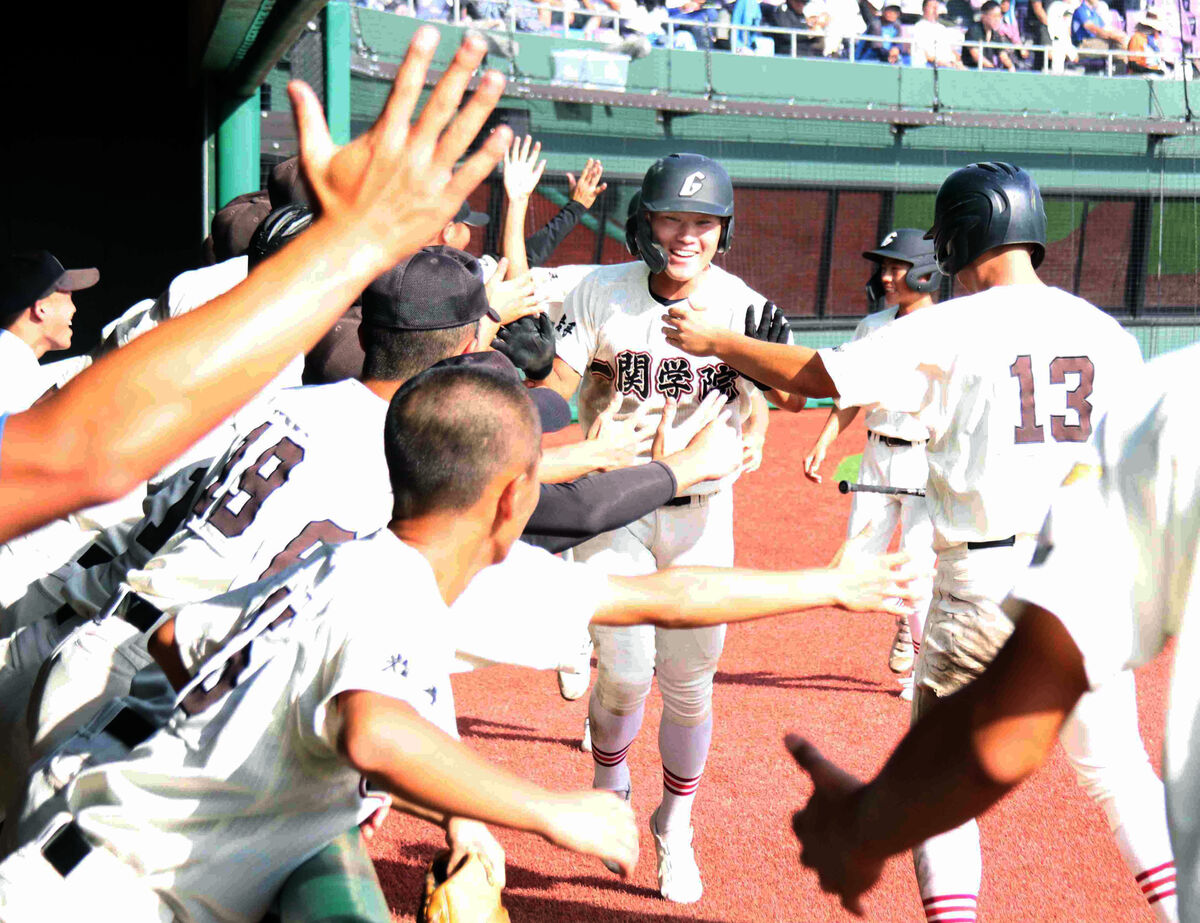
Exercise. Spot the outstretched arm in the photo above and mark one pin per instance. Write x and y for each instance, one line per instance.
(380, 197)
(694, 597)
(838, 421)
(794, 369)
(407, 756)
(969, 751)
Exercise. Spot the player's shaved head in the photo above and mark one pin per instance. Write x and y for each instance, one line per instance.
(450, 432)
(398, 355)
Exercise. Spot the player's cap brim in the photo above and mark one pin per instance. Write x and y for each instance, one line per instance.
(466, 216)
(74, 280)
(878, 256)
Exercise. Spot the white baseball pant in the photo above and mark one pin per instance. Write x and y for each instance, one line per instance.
(964, 631)
(885, 465)
(685, 659)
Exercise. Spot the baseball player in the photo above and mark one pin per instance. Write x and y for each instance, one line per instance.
(305, 666)
(1009, 381)
(904, 280)
(616, 348)
(1113, 578)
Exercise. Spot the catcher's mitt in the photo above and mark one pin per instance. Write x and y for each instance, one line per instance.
(461, 895)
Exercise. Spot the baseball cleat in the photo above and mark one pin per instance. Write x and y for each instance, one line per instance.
(901, 658)
(574, 680)
(906, 687)
(678, 875)
(586, 744)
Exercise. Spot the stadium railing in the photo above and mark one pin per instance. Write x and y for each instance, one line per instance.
(1053, 56)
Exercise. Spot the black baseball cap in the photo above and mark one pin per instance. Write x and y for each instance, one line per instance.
(234, 225)
(435, 288)
(285, 185)
(466, 216)
(552, 408)
(31, 276)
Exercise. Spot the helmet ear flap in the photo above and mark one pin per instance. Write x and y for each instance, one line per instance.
(875, 292)
(726, 240)
(923, 278)
(650, 251)
(631, 228)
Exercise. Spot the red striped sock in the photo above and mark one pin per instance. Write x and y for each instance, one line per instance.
(608, 759)
(1157, 883)
(951, 908)
(678, 785)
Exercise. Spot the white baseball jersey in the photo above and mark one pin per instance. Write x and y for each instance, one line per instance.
(54, 546)
(1116, 563)
(313, 470)
(531, 610)
(552, 285)
(878, 420)
(245, 781)
(1008, 384)
(616, 343)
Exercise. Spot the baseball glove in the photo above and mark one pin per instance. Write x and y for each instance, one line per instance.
(463, 895)
(529, 343)
(772, 327)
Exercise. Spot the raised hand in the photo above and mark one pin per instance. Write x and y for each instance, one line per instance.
(522, 169)
(511, 298)
(588, 187)
(826, 828)
(622, 439)
(470, 836)
(686, 329)
(396, 183)
(594, 822)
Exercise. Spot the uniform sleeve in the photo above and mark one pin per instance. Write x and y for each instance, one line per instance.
(1111, 563)
(892, 369)
(542, 243)
(532, 610)
(373, 650)
(577, 339)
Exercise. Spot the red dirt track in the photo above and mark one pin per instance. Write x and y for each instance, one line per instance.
(1047, 852)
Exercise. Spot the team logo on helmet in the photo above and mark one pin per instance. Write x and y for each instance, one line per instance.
(887, 240)
(692, 184)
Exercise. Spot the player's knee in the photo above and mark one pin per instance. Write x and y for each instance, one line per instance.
(687, 698)
(621, 696)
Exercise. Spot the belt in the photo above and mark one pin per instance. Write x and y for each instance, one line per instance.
(893, 441)
(695, 500)
(996, 543)
(129, 727)
(141, 614)
(66, 848)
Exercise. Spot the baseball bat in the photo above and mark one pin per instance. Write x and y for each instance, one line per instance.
(846, 487)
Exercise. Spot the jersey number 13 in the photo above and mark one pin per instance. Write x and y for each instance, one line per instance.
(1077, 399)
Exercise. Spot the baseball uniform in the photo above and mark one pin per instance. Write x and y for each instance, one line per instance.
(245, 782)
(894, 456)
(1116, 565)
(1009, 384)
(618, 347)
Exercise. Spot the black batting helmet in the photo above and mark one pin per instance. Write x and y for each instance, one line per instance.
(279, 227)
(905, 245)
(982, 206)
(681, 183)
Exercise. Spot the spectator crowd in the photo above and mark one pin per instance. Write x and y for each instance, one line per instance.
(1064, 36)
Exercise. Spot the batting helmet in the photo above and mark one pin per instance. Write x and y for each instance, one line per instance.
(905, 245)
(982, 206)
(279, 227)
(680, 183)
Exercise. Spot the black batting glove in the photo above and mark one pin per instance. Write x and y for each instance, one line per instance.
(772, 327)
(529, 344)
